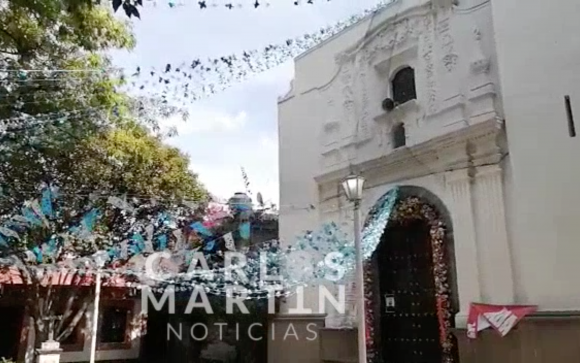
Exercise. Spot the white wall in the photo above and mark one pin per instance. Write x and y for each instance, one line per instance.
(332, 118)
(538, 50)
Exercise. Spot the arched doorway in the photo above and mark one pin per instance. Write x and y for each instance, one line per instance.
(409, 278)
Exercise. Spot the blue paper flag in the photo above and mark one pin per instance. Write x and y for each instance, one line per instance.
(31, 217)
(112, 252)
(48, 248)
(139, 244)
(162, 242)
(38, 253)
(245, 230)
(209, 245)
(90, 219)
(46, 203)
(198, 227)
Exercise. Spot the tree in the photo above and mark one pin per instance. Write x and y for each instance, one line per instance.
(46, 114)
(73, 130)
(125, 160)
(32, 29)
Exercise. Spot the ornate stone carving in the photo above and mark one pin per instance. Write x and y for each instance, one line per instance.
(331, 124)
(348, 101)
(447, 43)
(480, 63)
(428, 54)
(364, 131)
(393, 36)
(450, 61)
(340, 112)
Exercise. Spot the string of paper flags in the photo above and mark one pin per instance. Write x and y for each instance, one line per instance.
(226, 4)
(230, 5)
(198, 78)
(190, 203)
(38, 213)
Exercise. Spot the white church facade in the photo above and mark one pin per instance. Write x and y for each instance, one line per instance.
(411, 99)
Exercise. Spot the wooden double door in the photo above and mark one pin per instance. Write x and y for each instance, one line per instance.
(408, 319)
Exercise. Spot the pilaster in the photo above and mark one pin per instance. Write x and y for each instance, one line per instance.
(458, 183)
(494, 251)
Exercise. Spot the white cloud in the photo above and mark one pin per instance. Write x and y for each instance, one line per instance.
(200, 121)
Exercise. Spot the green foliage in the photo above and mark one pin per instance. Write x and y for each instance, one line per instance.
(31, 29)
(75, 129)
(134, 162)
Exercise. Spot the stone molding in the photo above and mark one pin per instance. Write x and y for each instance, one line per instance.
(469, 146)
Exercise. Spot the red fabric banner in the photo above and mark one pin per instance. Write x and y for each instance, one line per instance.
(502, 318)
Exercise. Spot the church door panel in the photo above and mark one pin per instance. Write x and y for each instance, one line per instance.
(409, 324)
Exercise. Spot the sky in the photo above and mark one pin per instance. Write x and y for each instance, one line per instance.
(237, 127)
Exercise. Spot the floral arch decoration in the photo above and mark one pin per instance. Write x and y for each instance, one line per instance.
(404, 211)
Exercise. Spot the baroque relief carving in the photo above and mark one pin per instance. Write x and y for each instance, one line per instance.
(340, 116)
(348, 103)
(428, 55)
(480, 63)
(331, 125)
(364, 130)
(392, 37)
(447, 43)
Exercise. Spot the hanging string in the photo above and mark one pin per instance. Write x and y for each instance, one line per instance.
(197, 78)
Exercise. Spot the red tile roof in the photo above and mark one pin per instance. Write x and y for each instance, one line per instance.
(12, 276)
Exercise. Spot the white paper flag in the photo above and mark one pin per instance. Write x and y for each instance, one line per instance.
(38, 211)
(9, 233)
(121, 204)
(230, 244)
(179, 245)
(149, 242)
(124, 249)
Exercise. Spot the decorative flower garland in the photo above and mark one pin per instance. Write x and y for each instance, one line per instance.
(405, 211)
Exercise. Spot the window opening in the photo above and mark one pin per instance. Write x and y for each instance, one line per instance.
(403, 85)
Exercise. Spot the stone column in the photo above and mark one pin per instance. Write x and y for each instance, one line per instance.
(49, 352)
(494, 250)
(459, 183)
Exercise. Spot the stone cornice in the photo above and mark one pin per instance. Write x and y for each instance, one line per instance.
(470, 146)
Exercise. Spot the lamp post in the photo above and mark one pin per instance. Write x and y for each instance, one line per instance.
(100, 258)
(353, 187)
